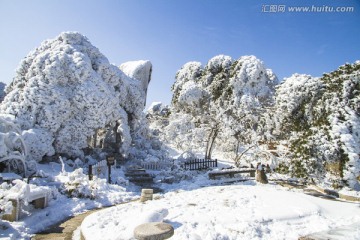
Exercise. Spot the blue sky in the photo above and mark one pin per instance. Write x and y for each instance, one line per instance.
(173, 32)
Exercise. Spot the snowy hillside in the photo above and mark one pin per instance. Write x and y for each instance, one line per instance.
(319, 117)
(306, 127)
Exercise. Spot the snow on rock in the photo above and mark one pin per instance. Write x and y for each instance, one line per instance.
(20, 190)
(17, 190)
(66, 89)
(140, 70)
(5, 205)
(226, 212)
(158, 109)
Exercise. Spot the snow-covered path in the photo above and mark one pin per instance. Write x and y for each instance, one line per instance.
(243, 211)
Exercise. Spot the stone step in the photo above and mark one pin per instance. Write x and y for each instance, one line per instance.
(141, 179)
(137, 174)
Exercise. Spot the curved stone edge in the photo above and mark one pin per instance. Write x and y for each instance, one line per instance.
(82, 237)
(336, 194)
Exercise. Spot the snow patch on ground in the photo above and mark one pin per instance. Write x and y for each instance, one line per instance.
(243, 211)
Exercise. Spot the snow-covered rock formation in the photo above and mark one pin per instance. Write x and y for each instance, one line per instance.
(140, 70)
(66, 95)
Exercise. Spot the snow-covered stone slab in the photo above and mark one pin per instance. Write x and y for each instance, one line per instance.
(26, 193)
(230, 173)
(153, 231)
(9, 176)
(40, 196)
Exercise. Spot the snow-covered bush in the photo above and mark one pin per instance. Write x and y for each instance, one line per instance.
(158, 118)
(77, 184)
(19, 190)
(5, 205)
(13, 149)
(66, 91)
(176, 175)
(185, 156)
(39, 143)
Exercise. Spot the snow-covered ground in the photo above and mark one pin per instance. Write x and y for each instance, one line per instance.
(60, 206)
(242, 211)
(197, 207)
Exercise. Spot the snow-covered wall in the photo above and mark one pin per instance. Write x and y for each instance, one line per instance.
(65, 90)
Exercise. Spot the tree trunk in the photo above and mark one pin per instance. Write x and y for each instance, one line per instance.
(117, 137)
(95, 138)
(207, 144)
(211, 142)
(237, 150)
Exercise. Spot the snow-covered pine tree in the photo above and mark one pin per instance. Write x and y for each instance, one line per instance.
(215, 101)
(319, 118)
